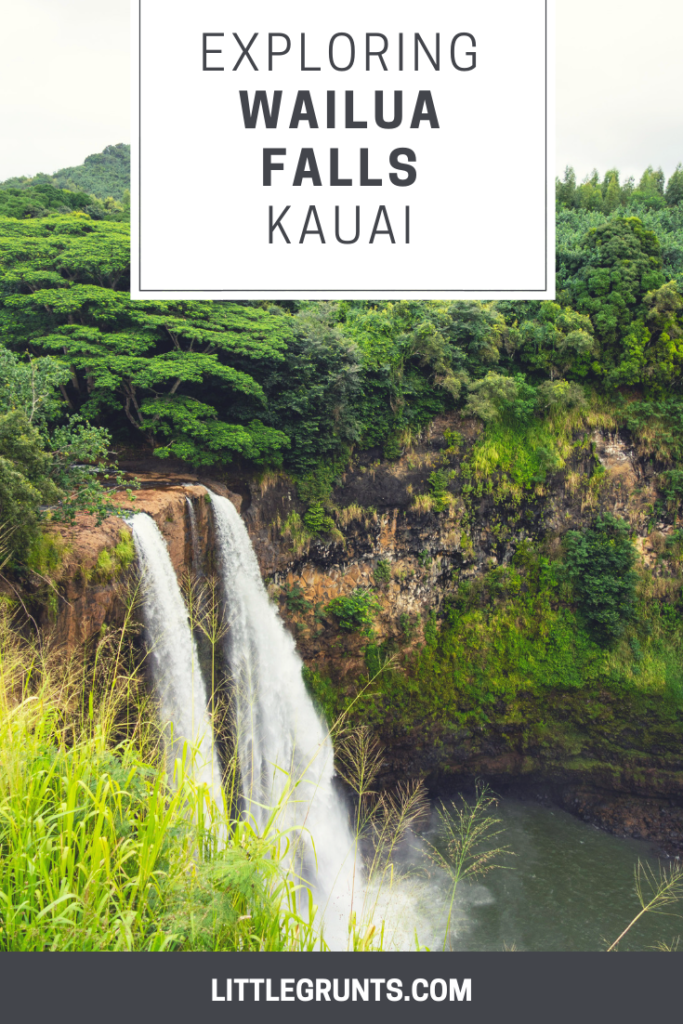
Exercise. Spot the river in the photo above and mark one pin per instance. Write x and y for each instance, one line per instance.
(570, 886)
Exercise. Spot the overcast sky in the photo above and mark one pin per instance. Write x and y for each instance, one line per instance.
(64, 68)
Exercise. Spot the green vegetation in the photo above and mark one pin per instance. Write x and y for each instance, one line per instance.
(514, 660)
(101, 850)
(124, 552)
(301, 385)
(47, 470)
(600, 565)
(465, 848)
(45, 554)
(316, 521)
(357, 612)
(382, 572)
(438, 489)
(295, 601)
(101, 175)
(111, 562)
(98, 851)
(520, 456)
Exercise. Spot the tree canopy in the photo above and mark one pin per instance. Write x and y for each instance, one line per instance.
(300, 384)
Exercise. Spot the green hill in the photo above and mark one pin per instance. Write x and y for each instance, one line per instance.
(102, 174)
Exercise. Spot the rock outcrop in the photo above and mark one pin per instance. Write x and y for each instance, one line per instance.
(93, 580)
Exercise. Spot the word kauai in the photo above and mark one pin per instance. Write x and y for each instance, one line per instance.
(313, 228)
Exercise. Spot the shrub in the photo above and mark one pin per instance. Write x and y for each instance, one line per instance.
(423, 503)
(453, 439)
(382, 572)
(495, 396)
(296, 602)
(294, 530)
(46, 554)
(392, 449)
(124, 552)
(356, 612)
(431, 630)
(424, 559)
(405, 625)
(600, 567)
(438, 489)
(104, 567)
(673, 485)
(316, 521)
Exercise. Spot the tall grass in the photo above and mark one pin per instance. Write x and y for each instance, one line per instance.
(97, 850)
(100, 850)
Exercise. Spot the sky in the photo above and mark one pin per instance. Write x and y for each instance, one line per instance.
(64, 84)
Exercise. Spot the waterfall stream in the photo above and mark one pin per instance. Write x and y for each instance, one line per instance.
(176, 675)
(284, 749)
(283, 746)
(194, 538)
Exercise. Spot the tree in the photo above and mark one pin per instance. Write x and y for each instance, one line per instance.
(179, 373)
(101, 175)
(565, 190)
(559, 394)
(620, 261)
(32, 385)
(650, 191)
(611, 192)
(314, 395)
(477, 328)
(47, 471)
(653, 346)
(557, 340)
(25, 481)
(674, 187)
(599, 565)
(589, 194)
(496, 396)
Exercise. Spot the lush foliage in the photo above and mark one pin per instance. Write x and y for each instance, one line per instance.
(514, 663)
(98, 851)
(47, 471)
(600, 565)
(101, 174)
(355, 612)
(301, 385)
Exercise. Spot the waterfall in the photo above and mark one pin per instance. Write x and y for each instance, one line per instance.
(281, 740)
(194, 539)
(177, 677)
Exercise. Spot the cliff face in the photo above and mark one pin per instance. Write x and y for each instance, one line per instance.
(617, 761)
(388, 533)
(387, 517)
(414, 537)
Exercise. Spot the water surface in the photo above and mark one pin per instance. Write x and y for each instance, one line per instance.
(569, 887)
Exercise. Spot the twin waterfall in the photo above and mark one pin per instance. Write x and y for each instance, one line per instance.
(174, 663)
(284, 751)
